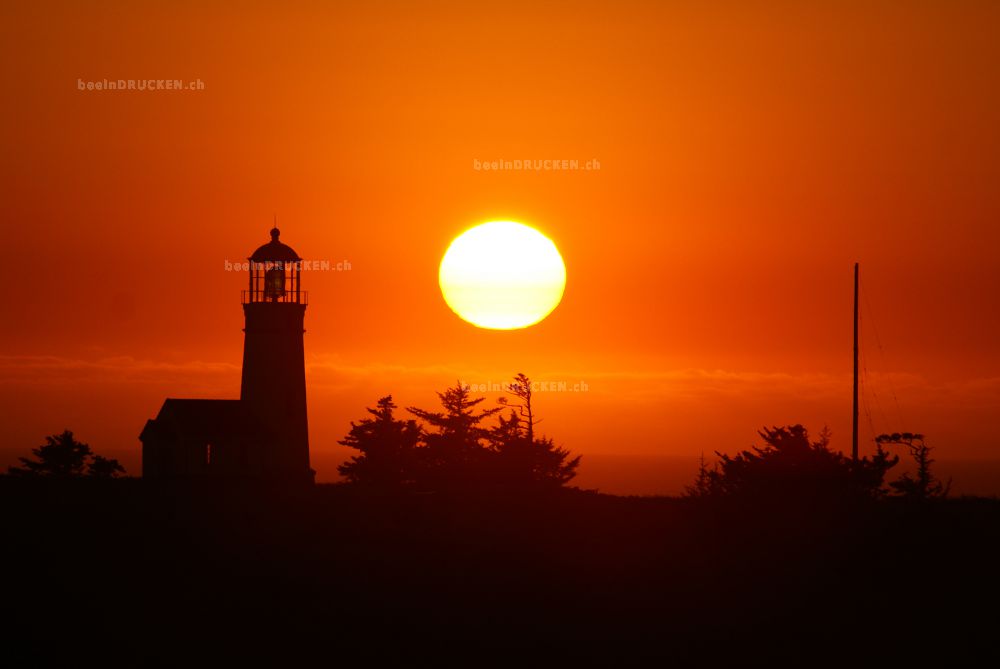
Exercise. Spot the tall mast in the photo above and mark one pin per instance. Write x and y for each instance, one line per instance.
(854, 415)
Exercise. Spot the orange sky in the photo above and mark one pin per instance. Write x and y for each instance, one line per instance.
(748, 156)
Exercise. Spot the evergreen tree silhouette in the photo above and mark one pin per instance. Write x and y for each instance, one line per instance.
(521, 459)
(62, 456)
(388, 448)
(702, 486)
(454, 453)
(521, 389)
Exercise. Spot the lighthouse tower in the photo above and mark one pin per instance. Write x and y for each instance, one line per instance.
(273, 387)
(263, 437)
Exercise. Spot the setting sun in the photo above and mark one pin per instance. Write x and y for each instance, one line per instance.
(502, 275)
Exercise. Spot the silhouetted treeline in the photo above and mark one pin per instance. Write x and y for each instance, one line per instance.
(790, 468)
(455, 447)
(62, 456)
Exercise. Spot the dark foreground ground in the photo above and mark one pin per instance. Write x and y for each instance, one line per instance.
(122, 573)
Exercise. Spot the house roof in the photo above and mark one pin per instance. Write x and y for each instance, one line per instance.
(205, 420)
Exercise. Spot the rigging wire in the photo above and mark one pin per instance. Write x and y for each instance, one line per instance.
(870, 389)
(865, 403)
(900, 422)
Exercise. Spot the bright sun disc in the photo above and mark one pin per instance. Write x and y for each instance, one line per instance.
(502, 275)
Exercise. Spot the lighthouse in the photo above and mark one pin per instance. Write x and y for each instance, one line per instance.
(274, 377)
(263, 436)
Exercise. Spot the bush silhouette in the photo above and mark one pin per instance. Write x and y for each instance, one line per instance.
(104, 468)
(791, 466)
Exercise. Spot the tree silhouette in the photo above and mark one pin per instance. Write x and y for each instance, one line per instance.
(924, 486)
(457, 449)
(521, 459)
(702, 486)
(454, 453)
(520, 388)
(790, 466)
(388, 448)
(62, 456)
(104, 468)
(522, 462)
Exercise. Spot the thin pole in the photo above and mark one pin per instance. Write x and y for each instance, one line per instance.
(854, 430)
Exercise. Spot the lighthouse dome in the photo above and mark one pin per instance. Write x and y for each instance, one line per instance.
(275, 250)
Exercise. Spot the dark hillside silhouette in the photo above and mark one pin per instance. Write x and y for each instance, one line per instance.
(168, 576)
(473, 547)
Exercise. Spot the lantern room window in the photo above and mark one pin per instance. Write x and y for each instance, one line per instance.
(274, 283)
(275, 274)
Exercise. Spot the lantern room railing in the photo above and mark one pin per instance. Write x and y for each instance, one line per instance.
(287, 297)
